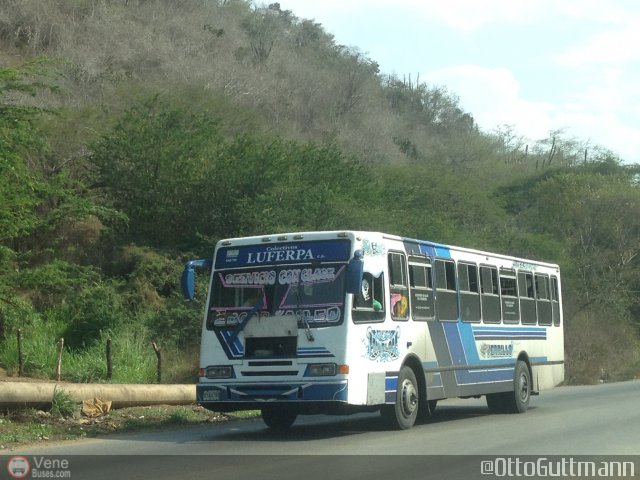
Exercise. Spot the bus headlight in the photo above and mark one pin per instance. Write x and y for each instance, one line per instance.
(321, 370)
(219, 371)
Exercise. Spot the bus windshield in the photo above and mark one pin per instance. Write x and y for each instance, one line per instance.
(315, 294)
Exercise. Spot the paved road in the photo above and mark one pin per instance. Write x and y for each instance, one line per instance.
(588, 420)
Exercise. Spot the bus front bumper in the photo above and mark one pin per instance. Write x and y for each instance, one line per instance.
(239, 396)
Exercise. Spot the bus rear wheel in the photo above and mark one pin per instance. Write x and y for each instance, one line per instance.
(278, 418)
(516, 401)
(402, 415)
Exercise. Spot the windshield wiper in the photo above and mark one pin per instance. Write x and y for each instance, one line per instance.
(307, 328)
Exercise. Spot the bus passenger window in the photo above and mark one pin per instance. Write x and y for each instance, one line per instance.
(543, 302)
(421, 288)
(509, 294)
(469, 295)
(527, 298)
(555, 302)
(370, 295)
(447, 296)
(368, 304)
(490, 295)
(398, 291)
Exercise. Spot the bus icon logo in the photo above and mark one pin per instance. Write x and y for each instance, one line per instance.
(18, 467)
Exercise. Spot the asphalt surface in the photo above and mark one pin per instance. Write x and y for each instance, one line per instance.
(583, 422)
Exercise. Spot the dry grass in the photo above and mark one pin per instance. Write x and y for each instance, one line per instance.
(307, 88)
(598, 350)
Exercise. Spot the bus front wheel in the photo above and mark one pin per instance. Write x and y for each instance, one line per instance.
(402, 415)
(278, 418)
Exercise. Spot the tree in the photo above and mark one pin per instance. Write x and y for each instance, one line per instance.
(294, 187)
(602, 255)
(19, 188)
(159, 166)
(262, 27)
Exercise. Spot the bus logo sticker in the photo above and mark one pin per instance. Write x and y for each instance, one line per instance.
(382, 345)
(496, 350)
(373, 249)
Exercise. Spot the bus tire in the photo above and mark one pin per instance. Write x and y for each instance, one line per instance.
(402, 415)
(518, 400)
(278, 418)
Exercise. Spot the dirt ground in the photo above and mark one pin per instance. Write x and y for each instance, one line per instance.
(34, 426)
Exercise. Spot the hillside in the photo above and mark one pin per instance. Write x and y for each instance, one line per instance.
(136, 133)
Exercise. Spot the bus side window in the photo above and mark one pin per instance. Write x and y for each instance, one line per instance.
(543, 302)
(555, 302)
(368, 304)
(421, 288)
(398, 291)
(447, 294)
(527, 298)
(509, 294)
(370, 296)
(490, 294)
(469, 294)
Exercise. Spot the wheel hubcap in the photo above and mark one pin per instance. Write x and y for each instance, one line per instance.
(409, 398)
(524, 387)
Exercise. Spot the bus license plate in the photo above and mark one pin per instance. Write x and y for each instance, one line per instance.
(211, 395)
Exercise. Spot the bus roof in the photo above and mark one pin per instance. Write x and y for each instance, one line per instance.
(358, 235)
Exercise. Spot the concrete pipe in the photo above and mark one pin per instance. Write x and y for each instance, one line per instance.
(39, 395)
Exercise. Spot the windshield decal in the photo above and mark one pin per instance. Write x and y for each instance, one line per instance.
(249, 278)
(314, 316)
(314, 295)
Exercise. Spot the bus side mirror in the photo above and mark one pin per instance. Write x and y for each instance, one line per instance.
(188, 280)
(355, 269)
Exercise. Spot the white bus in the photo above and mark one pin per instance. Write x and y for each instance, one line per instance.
(348, 321)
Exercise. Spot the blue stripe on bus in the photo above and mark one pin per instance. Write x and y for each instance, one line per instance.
(390, 388)
(233, 349)
(455, 341)
(461, 340)
(510, 333)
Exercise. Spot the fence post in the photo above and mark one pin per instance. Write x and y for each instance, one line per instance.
(20, 358)
(59, 366)
(109, 360)
(159, 356)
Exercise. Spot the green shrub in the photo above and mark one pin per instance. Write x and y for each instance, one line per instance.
(62, 404)
(97, 308)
